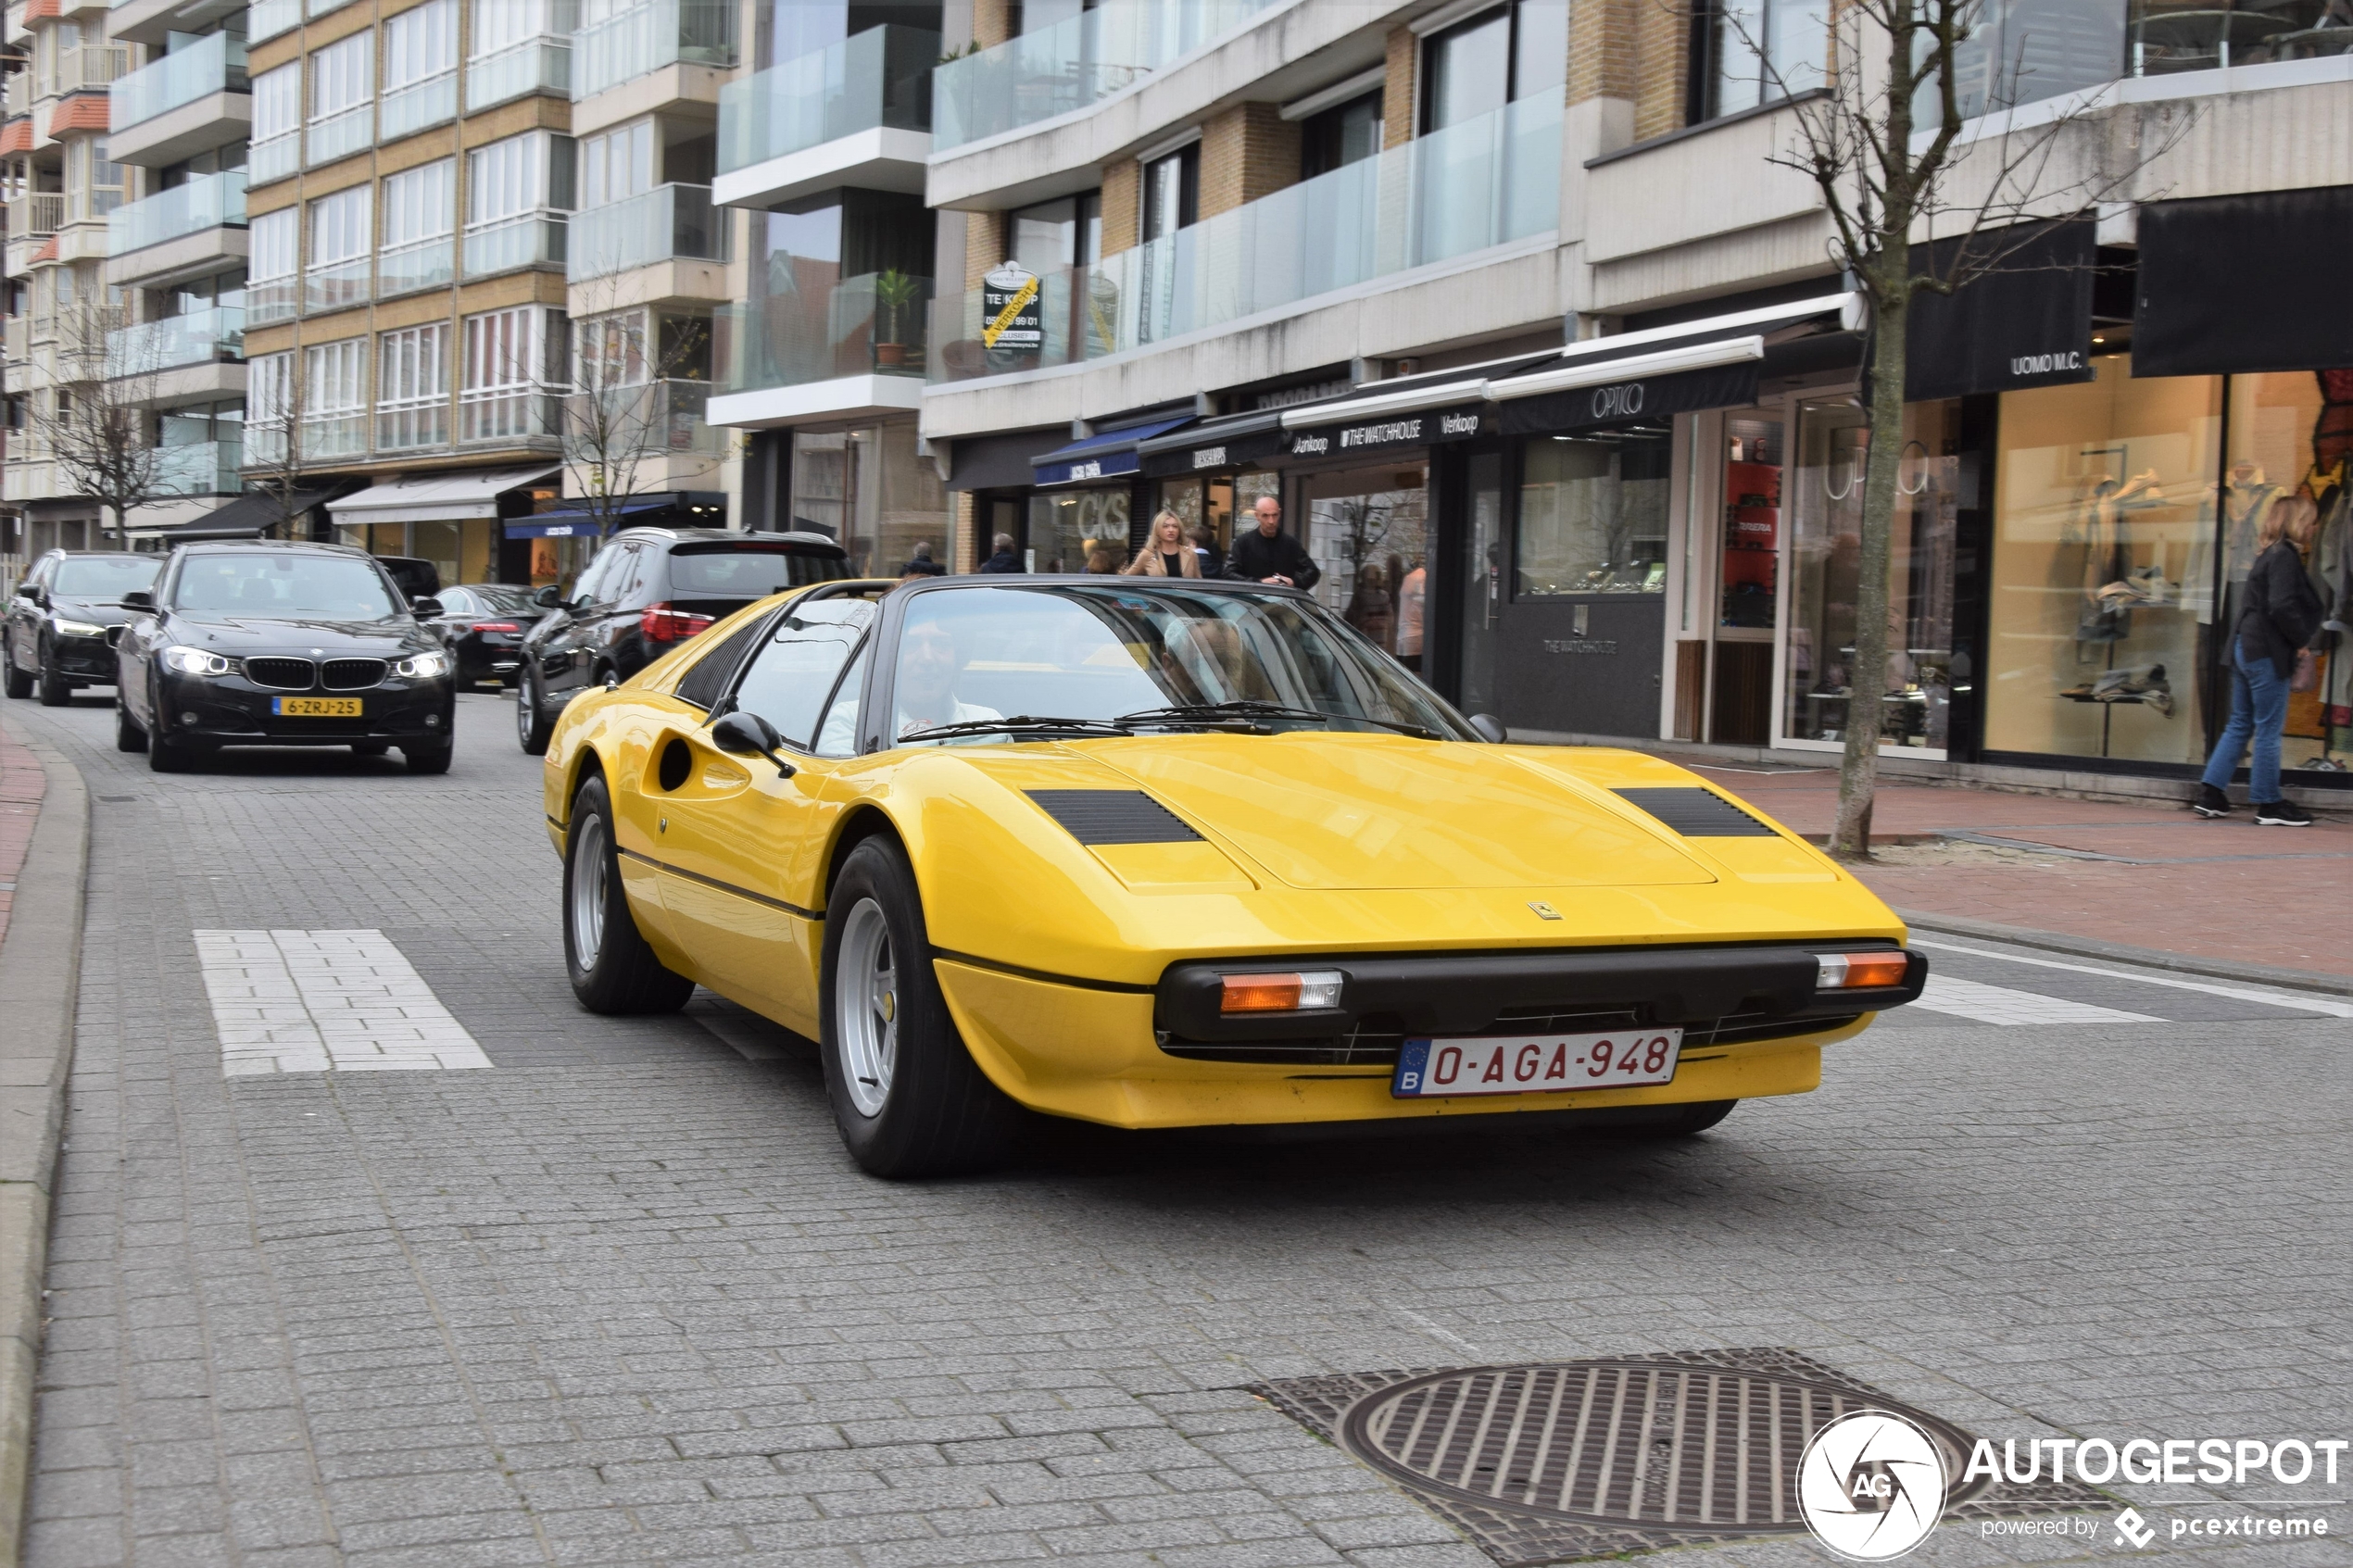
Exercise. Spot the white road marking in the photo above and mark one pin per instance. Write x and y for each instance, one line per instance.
(325, 1001)
(2142, 977)
(1999, 1004)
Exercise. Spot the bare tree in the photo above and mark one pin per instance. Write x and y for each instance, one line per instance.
(1886, 144)
(631, 400)
(95, 420)
(275, 467)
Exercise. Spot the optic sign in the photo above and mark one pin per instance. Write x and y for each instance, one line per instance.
(1010, 318)
(1621, 402)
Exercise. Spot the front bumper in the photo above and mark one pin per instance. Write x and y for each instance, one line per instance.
(82, 658)
(231, 710)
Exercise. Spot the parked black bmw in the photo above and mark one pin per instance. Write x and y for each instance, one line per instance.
(282, 645)
(485, 624)
(648, 590)
(62, 624)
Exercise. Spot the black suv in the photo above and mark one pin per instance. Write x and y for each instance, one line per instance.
(62, 625)
(648, 590)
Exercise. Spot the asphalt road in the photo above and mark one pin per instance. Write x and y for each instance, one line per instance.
(612, 1293)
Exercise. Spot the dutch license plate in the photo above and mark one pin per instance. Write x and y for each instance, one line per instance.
(1521, 1064)
(315, 707)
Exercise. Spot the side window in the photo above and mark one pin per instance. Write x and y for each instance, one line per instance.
(629, 579)
(838, 737)
(455, 601)
(596, 583)
(703, 684)
(789, 678)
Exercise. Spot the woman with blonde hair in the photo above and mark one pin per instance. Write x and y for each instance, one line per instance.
(2281, 618)
(1167, 553)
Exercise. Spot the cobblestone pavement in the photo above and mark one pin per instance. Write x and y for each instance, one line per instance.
(620, 1299)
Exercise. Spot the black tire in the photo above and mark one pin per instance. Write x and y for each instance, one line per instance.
(369, 747)
(428, 758)
(56, 690)
(167, 756)
(20, 682)
(929, 1110)
(621, 975)
(531, 725)
(128, 736)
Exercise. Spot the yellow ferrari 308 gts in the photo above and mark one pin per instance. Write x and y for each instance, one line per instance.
(1157, 853)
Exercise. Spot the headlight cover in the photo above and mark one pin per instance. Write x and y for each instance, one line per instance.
(65, 628)
(196, 662)
(423, 666)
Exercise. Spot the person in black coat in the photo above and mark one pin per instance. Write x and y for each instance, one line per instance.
(2281, 615)
(1266, 554)
(1004, 559)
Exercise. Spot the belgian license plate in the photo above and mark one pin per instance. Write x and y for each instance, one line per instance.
(315, 707)
(1521, 1064)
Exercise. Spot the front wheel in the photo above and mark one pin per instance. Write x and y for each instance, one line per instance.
(128, 736)
(906, 1093)
(428, 758)
(532, 725)
(20, 682)
(613, 968)
(56, 690)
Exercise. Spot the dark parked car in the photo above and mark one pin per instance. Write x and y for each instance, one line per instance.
(417, 579)
(484, 624)
(282, 645)
(63, 621)
(648, 590)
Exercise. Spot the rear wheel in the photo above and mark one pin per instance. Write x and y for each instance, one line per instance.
(532, 725)
(907, 1094)
(613, 968)
(56, 690)
(128, 736)
(20, 682)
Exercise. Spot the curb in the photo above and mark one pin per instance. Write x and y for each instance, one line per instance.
(40, 978)
(2118, 952)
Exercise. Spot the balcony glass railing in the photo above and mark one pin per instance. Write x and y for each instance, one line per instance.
(653, 420)
(36, 214)
(880, 77)
(207, 201)
(850, 328)
(273, 160)
(418, 105)
(514, 242)
(536, 65)
(337, 286)
(422, 264)
(330, 435)
(649, 36)
(200, 468)
(267, 18)
(1073, 63)
(340, 135)
(272, 299)
(667, 223)
(198, 338)
(1483, 182)
(215, 63)
(518, 413)
(412, 424)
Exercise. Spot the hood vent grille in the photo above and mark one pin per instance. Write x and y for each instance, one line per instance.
(1697, 813)
(1113, 816)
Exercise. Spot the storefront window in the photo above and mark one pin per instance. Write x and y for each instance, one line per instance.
(1079, 529)
(1368, 529)
(1592, 515)
(2104, 539)
(1752, 521)
(1826, 515)
(866, 487)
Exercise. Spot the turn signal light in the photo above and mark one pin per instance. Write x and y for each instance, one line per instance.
(661, 624)
(1848, 971)
(1280, 993)
(495, 626)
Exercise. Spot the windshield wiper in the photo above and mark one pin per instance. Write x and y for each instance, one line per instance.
(1250, 708)
(1020, 725)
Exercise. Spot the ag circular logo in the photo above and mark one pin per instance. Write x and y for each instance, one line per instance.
(1870, 1485)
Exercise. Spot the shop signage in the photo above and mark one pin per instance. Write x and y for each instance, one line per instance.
(1649, 401)
(1010, 314)
(2236, 284)
(552, 530)
(1233, 452)
(1581, 645)
(2027, 323)
(1109, 465)
(1381, 435)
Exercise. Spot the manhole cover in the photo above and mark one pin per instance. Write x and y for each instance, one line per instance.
(1614, 1442)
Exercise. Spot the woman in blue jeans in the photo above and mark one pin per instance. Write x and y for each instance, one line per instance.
(2281, 614)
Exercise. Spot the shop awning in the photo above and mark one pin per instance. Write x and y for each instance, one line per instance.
(576, 521)
(1378, 416)
(2239, 285)
(248, 517)
(1234, 442)
(2025, 323)
(445, 497)
(1102, 455)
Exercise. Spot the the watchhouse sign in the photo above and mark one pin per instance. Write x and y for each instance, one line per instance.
(1010, 316)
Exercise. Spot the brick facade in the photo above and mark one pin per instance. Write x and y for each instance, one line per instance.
(1399, 112)
(1246, 153)
(1122, 195)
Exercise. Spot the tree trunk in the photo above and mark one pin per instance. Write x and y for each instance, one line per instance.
(1866, 672)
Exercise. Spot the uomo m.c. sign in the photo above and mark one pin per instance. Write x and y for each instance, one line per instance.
(1621, 402)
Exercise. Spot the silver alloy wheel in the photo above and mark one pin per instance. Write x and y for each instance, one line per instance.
(526, 704)
(866, 1007)
(587, 910)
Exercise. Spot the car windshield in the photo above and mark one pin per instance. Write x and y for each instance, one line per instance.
(747, 573)
(277, 585)
(1077, 651)
(496, 599)
(104, 577)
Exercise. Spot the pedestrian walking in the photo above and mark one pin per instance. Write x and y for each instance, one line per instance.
(1003, 560)
(1266, 554)
(1166, 553)
(2280, 619)
(1213, 560)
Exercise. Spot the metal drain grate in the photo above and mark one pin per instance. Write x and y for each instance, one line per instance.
(1558, 1461)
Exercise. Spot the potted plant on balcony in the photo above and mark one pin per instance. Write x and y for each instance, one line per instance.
(894, 291)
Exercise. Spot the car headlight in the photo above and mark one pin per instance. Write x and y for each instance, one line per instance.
(1280, 993)
(65, 628)
(422, 666)
(196, 662)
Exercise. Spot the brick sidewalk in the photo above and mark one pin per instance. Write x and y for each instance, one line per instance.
(2145, 877)
(21, 783)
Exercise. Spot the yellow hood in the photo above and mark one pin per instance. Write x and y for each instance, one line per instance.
(1341, 812)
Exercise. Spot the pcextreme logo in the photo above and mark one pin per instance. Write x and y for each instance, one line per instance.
(1870, 1485)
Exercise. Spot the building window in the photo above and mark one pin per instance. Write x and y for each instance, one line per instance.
(343, 76)
(1745, 53)
(276, 149)
(513, 370)
(420, 44)
(1340, 134)
(334, 399)
(515, 191)
(610, 351)
(1593, 516)
(94, 186)
(268, 406)
(1517, 50)
(272, 281)
(419, 211)
(617, 164)
(1057, 235)
(340, 243)
(1171, 193)
(412, 388)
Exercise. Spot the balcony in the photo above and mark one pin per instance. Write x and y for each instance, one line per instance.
(85, 66)
(412, 424)
(334, 435)
(188, 102)
(424, 264)
(272, 299)
(1484, 183)
(36, 215)
(267, 18)
(2029, 51)
(536, 65)
(418, 105)
(201, 337)
(533, 415)
(273, 159)
(337, 286)
(661, 419)
(206, 202)
(874, 88)
(201, 467)
(340, 135)
(645, 38)
(531, 239)
(847, 349)
(1073, 63)
(667, 223)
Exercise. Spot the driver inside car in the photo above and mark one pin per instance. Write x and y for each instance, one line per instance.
(926, 690)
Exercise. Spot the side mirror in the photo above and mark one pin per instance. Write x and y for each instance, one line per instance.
(547, 599)
(748, 734)
(1490, 729)
(424, 608)
(139, 599)
(30, 590)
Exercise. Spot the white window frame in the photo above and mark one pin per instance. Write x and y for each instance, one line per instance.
(420, 44)
(420, 204)
(340, 227)
(509, 382)
(276, 242)
(277, 102)
(268, 397)
(343, 76)
(334, 404)
(412, 388)
(506, 23)
(618, 164)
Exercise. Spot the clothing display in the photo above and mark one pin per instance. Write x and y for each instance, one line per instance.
(2144, 683)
